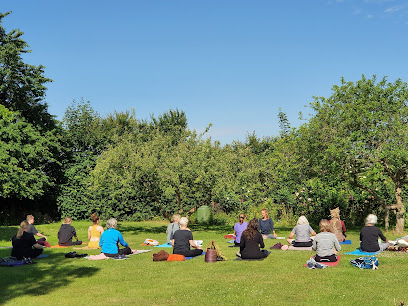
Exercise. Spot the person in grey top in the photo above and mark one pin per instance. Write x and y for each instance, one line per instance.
(172, 227)
(302, 231)
(325, 243)
(32, 230)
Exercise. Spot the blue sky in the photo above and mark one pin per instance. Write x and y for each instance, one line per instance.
(229, 63)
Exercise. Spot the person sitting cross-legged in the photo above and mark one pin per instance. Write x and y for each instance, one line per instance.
(182, 240)
(302, 231)
(24, 244)
(325, 243)
(251, 240)
(369, 235)
(110, 240)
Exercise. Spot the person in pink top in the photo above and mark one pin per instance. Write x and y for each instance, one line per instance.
(239, 227)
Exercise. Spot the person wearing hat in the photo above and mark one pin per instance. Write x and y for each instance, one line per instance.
(369, 236)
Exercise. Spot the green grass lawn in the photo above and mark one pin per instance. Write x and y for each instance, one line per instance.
(280, 279)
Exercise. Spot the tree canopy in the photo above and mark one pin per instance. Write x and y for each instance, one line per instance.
(362, 134)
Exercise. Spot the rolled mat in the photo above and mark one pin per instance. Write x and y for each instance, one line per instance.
(345, 242)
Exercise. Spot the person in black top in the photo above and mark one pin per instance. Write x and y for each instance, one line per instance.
(251, 239)
(66, 233)
(369, 236)
(24, 244)
(183, 239)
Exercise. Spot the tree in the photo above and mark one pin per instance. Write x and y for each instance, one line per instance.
(25, 155)
(86, 142)
(362, 131)
(22, 86)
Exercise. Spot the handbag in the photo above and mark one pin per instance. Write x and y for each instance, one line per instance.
(211, 255)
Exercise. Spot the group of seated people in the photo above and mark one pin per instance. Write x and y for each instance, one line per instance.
(249, 237)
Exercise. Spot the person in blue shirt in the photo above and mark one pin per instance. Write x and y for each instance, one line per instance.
(266, 226)
(110, 239)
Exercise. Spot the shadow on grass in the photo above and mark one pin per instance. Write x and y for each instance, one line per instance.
(47, 275)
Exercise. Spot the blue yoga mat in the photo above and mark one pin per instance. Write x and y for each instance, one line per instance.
(164, 245)
(195, 256)
(18, 262)
(345, 242)
(361, 253)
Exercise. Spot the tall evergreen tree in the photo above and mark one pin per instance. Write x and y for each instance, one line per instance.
(22, 86)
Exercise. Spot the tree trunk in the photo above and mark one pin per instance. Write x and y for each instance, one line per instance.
(400, 211)
(386, 219)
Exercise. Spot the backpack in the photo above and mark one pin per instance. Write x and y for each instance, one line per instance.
(365, 262)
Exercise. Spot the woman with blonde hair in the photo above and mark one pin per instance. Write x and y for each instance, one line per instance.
(24, 243)
(239, 227)
(266, 225)
(302, 231)
(325, 243)
(337, 226)
(94, 232)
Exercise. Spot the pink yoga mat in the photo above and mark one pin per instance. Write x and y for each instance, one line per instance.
(330, 264)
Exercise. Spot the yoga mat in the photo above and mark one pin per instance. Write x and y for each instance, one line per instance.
(141, 251)
(164, 245)
(18, 262)
(9, 247)
(85, 248)
(292, 248)
(229, 236)
(361, 253)
(345, 242)
(231, 241)
(330, 264)
(195, 256)
(64, 246)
